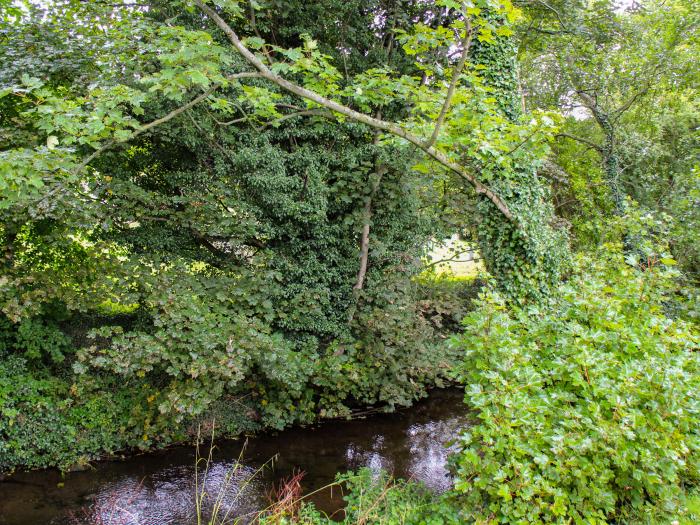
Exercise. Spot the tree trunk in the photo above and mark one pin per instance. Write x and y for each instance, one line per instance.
(527, 255)
(611, 162)
(367, 219)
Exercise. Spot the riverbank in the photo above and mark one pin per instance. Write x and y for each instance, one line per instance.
(159, 487)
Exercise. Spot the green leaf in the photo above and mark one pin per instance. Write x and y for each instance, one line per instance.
(254, 42)
(197, 77)
(669, 261)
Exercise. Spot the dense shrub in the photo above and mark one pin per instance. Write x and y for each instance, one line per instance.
(587, 405)
(46, 421)
(148, 388)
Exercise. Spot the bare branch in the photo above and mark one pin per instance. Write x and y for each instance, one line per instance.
(232, 122)
(254, 25)
(174, 113)
(212, 141)
(589, 101)
(521, 143)
(619, 111)
(587, 142)
(303, 113)
(466, 44)
(556, 13)
(454, 258)
(380, 171)
(364, 238)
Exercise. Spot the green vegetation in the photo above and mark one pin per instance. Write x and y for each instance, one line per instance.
(378, 500)
(587, 404)
(226, 210)
(587, 410)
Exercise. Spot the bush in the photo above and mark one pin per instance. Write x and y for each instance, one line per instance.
(45, 421)
(151, 375)
(587, 405)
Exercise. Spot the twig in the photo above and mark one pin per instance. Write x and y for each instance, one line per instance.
(581, 140)
(453, 83)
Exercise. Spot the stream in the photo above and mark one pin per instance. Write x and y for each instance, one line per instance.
(159, 488)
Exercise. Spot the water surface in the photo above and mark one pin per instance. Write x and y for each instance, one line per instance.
(159, 488)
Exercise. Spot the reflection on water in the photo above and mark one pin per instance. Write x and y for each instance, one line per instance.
(428, 452)
(160, 488)
(168, 496)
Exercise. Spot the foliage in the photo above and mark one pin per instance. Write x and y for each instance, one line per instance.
(683, 206)
(75, 126)
(526, 258)
(169, 218)
(626, 79)
(373, 497)
(587, 404)
(34, 338)
(182, 237)
(146, 391)
(48, 421)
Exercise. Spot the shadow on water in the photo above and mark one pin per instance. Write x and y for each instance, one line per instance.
(159, 488)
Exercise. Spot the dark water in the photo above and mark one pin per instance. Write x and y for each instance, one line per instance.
(159, 488)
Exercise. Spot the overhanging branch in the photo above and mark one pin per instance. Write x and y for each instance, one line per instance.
(336, 107)
(162, 120)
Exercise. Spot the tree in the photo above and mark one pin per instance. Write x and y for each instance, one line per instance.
(174, 194)
(600, 62)
(531, 241)
(319, 83)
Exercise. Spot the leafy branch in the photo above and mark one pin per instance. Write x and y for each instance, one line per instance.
(162, 120)
(389, 127)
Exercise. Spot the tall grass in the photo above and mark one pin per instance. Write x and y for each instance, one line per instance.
(219, 515)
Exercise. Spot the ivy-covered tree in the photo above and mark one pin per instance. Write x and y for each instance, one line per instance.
(526, 258)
